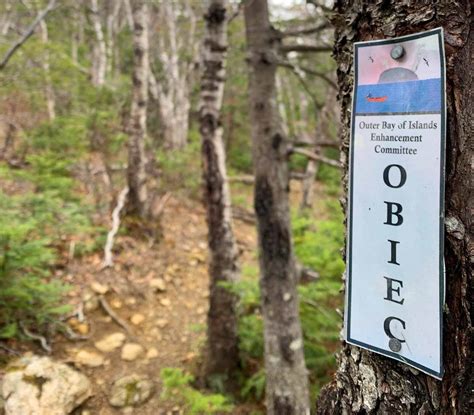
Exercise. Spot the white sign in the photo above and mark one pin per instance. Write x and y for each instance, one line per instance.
(395, 267)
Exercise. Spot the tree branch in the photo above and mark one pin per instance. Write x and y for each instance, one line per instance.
(27, 34)
(306, 31)
(305, 48)
(314, 156)
(298, 69)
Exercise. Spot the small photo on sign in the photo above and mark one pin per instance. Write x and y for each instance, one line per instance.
(404, 78)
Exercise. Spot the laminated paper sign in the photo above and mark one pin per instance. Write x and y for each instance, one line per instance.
(395, 285)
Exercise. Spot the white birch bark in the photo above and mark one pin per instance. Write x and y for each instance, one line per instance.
(138, 195)
(48, 87)
(99, 63)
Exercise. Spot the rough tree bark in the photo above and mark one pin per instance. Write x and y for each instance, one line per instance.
(138, 197)
(366, 382)
(223, 354)
(286, 374)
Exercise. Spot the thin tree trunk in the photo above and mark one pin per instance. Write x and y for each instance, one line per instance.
(366, 382)
(286, 374)
(222, 340)
(48, 87)
(138, 197)
(99, 64)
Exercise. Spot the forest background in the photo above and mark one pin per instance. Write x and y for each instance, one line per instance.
(65, 103)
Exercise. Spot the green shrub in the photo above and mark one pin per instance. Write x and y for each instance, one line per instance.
(177, 388)
(181, 169)
(28, 295)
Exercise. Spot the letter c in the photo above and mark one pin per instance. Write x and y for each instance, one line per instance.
(388, 332)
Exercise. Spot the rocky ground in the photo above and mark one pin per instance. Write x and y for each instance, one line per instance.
(153, 316)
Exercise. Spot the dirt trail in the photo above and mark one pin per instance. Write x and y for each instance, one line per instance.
(173, 327)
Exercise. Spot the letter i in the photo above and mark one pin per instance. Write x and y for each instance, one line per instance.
(393, 252)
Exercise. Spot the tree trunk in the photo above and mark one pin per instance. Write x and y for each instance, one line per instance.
(172, 89)
(286, 374)
(223, 354)
(137, 197)
(48, 88)
(99, 64)
(366, 382)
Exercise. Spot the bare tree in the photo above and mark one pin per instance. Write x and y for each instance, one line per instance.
(27, 33)
(138, 195)
(367, 383)
(176, 55)
(48, 87)
(99, 58)
(222, 340)
(286, 374)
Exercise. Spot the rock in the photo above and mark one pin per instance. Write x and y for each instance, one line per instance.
(99, 288)
(82, 328)
(116, 303)
(91, 302)
(161, 323)
(110, 342)
(132, 390)
(131, 351)
(165, 302)
(152, 353)
(38, 385)
(90, 359)
(137, 319)
(130, 301)
(158, 284)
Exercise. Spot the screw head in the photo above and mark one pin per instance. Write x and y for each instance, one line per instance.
(397, 52)
(395, 345)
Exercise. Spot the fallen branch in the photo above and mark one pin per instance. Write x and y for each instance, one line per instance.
(29, 31)
(9, 350)
(314, 156)
(43, 342)
(106, 307)
(108, 260)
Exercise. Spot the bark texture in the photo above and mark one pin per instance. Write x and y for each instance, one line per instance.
(366, 382)
(223, 355)
(138, 197)
(286, 374)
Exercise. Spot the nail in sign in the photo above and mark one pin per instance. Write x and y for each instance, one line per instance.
(395, 286)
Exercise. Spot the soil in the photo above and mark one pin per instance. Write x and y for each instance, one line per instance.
(173, 320)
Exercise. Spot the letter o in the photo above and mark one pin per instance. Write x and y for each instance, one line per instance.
(386, 176)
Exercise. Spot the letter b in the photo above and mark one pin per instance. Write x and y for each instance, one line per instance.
(394, 216)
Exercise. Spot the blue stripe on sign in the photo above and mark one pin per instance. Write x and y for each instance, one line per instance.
(410, 96)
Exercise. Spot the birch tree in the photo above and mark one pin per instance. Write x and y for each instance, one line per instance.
(367, 383)
(286, 374)
(223, 356)
(48, 88)
(99, 56)
(176, 52)
(138, 196)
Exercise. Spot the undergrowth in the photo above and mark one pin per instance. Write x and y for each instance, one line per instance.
(177, 388)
